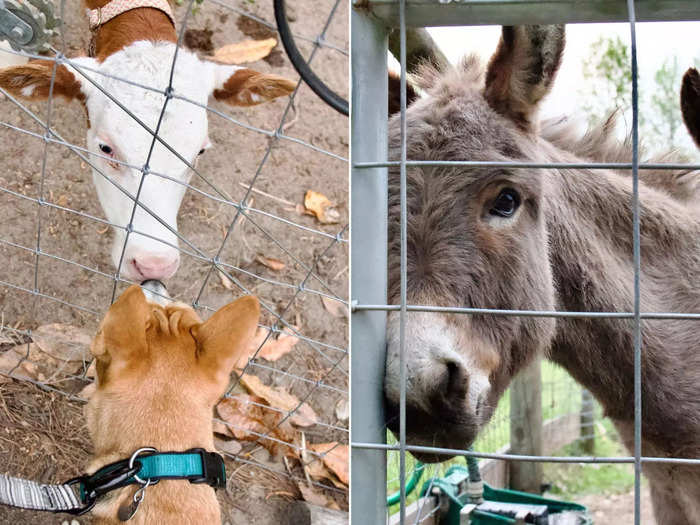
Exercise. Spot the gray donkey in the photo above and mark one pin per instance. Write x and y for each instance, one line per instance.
(540, 239)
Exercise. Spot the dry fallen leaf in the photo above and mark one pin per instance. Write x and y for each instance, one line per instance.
(335, 457)
(333, 307)
(317, 204)
(304, 415)
(64, 342)
(245, 51)
(312, 496)
(228, 446)
(10, 359)
(342, 410)
(249, 421)
(221, 428)
(270, 262)
(225, 281)
(272, 349)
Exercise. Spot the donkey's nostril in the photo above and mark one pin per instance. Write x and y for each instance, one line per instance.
(455, 381)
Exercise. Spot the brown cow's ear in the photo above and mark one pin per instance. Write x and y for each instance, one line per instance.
(690, 103)
(122, 333)
(246, 87)
(226, 335)
(33, 80)
(522, 70)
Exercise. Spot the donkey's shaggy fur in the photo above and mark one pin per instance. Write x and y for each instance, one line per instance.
(567, 246)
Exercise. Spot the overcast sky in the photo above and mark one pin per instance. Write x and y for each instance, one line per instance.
(655, 42)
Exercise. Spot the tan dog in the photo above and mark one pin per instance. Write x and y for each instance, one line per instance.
(160, 371)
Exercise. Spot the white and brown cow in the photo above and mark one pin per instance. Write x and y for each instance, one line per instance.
(137, 40)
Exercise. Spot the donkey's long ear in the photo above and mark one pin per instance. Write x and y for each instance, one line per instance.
(690, 103)
(122, 333)
(245, 87)
(521, 71)
(33, 80)
(226, 335)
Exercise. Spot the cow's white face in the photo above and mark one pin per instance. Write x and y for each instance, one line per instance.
(151, 249)
(123, 153)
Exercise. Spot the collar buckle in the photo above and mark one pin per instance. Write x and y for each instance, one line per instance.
(213, 469)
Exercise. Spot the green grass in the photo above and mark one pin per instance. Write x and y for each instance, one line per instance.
(560, 395)
(569, 481)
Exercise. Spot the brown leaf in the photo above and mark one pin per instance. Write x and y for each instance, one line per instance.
(64, 342)
(342, 410)
(221, 428)
(248, 421)
(312, 496)
(278, 398)
(225, 281)
(229, 446)
(10, 359)
(322, 208)
(335, 457)
(245, 51)
(272, 350)
(334, 307)
(270, 262)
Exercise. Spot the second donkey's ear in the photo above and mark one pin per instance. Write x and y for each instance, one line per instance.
(226, 335)
(122, 333)
(239, 86)
(522, 70)
(690, 103)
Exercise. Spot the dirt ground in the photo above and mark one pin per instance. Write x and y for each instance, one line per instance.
(41, 432)
(617, 508)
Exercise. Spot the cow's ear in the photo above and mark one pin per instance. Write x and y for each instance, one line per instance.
(32, 80)
(240, 86)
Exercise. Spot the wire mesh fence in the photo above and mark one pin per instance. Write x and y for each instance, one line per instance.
(243, 227)
(370, 306)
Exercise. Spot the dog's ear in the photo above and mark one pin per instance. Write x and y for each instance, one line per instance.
(226, 335)
(122, 333)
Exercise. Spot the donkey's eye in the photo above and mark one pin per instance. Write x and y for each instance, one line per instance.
(506, 203)
(201, 151)
(107, 150)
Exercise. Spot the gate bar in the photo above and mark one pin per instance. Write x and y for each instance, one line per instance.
(429, 13)
(368, 254)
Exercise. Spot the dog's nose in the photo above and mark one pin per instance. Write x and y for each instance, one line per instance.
(155, 292)
(156, 267)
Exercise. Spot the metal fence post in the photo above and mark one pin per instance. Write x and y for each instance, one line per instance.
(526, 428)
(369, 266)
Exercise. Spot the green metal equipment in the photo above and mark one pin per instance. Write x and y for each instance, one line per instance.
(466, 500)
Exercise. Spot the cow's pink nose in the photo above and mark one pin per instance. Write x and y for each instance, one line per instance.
(156, 266)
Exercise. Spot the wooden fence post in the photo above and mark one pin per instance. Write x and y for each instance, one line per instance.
(526, 428)
(587, 424)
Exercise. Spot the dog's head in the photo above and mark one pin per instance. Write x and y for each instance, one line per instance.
(160, 370)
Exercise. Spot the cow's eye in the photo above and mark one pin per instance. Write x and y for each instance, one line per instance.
(107, 150)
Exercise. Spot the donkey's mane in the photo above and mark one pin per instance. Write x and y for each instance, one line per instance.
(599, 143)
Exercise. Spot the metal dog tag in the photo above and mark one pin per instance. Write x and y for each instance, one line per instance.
(128, 509)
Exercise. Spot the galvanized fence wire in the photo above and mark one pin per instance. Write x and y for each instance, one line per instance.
(636, 315)
(333, 379)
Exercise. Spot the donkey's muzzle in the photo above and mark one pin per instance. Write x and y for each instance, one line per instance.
(446, 427)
